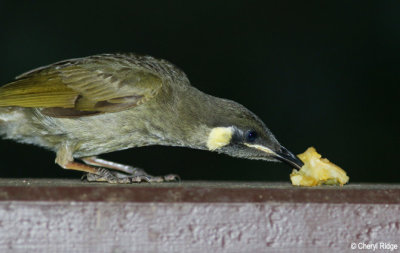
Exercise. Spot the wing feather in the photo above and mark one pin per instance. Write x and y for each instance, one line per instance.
(85, 84)
(37, 92)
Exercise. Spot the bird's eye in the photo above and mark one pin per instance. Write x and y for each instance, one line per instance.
(251, 136)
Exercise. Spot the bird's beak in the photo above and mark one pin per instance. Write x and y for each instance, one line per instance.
(282, 154)
(286, 156)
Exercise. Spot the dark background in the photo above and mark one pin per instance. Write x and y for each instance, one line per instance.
(323, 74)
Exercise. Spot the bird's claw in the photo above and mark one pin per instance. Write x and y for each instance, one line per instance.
(172, 178)
(106, 175)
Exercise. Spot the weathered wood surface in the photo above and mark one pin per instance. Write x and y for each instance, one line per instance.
(72, 216)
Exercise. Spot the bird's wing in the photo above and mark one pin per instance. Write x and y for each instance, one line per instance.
(81, 87)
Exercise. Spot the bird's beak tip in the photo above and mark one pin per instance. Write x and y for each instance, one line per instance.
(281, 154)
(288, 157)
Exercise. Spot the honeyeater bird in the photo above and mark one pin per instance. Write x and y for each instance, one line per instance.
(81, 108)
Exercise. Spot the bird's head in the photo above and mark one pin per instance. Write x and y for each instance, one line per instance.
(238, 132)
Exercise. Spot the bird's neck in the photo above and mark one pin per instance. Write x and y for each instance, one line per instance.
(199, 114)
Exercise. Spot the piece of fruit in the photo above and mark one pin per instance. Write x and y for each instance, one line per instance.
(317, 171)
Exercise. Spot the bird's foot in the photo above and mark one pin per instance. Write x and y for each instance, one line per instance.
(106, 175)
(111, 172)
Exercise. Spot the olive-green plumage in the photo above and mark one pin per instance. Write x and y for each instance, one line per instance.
(84, 107)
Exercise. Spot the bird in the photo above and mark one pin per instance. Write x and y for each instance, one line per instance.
(83, 107)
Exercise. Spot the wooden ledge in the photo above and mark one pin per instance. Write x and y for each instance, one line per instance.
(52, 215)
(231, 192)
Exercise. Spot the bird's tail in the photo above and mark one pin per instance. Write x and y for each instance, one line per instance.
(6, 115)
(2, 122)
(3, 112)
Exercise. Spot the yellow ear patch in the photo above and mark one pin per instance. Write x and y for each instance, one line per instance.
(219, 137)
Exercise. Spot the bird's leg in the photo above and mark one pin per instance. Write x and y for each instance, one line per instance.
(95, 161)
(105, 171)
(100, 174)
